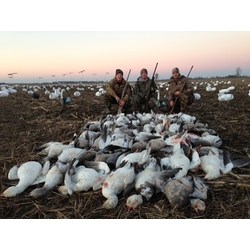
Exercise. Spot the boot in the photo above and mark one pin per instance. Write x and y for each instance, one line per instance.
(108, 107)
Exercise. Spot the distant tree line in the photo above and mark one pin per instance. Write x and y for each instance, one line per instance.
(213, 77)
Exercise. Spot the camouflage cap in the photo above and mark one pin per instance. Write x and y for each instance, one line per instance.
(144, 70)
(175, 70)
(118, 71)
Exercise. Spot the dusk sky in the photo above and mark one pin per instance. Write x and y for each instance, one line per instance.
(34, 54)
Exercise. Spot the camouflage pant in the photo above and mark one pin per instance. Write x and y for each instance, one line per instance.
(109, 100)
(138, 102)
(182, 102)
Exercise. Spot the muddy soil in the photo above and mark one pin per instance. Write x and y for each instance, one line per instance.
(26, 123)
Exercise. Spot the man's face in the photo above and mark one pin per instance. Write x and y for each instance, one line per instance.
(144, 75)
(175, 75)
(118, 77)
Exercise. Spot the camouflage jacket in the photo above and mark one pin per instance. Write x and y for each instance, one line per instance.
(141, 87)
(175, 85)
(114, 89)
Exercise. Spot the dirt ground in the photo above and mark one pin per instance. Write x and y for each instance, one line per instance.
(26, 123)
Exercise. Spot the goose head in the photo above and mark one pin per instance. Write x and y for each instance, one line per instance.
(110, 203)
(64, 100)
(198, 205)
(10, 192)
(134, 201)
(147, 190)
(211, 175)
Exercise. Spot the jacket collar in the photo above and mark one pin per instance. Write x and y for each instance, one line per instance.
(140, 79)
(122, 82)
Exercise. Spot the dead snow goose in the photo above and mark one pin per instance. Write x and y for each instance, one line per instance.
(27, 173)
(115, 183)
(178, 191)
(82, 179)
(210, 164)
(53, 178)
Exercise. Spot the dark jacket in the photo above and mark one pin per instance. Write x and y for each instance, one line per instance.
(141, 87)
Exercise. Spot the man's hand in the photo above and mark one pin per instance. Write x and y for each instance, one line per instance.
(117, 99)
(147, 97)
(176, 93)
(172, 103)
(121, 103)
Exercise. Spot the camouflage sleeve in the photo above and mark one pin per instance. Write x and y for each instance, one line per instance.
(110, 90)
(136, 90)
(128, 93)
(189, 88)
(170, 94)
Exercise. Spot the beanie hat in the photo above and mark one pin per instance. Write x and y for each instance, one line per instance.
(175, 70)
(144, 70)
(118, 71)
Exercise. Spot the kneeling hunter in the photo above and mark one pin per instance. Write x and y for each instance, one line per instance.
(114, 92)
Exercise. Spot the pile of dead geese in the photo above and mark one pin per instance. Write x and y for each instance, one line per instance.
(143, 153)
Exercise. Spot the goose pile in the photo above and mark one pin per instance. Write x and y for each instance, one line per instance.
(135, 153)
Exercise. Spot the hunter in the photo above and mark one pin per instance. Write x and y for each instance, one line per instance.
(114, 91)
(185, 98)
(140, 91)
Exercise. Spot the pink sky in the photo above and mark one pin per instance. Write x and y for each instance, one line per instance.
(43, 54)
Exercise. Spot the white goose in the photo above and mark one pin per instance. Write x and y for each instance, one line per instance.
(69, 154)
(4, 93)
(54, 149)
(148, 182)
(215, 140)
(139, 157)
(210, 164)
(53, 178)
(27, 173)
(200, 190)
(82, 180)
(115, 183)
(77, 93)
(179, 160)
(54, 95)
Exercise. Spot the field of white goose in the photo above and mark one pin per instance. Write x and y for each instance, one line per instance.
(59, 145)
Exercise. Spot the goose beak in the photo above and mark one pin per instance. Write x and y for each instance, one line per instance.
(199, 212)
(2, 195)
(129, 208)
(101, 207)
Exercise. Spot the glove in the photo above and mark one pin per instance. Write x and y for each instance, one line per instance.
(146, 97)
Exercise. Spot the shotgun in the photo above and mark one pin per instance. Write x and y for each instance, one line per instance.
(152, 80)
(182, 87)
(123, 94)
